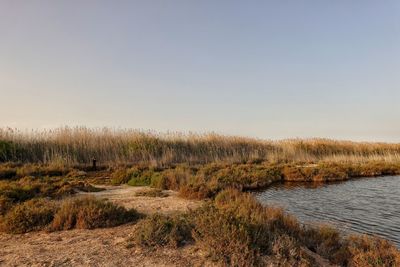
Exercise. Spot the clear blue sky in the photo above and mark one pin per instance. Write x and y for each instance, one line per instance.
(268, 69)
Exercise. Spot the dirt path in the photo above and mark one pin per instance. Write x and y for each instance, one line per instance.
(101, 247)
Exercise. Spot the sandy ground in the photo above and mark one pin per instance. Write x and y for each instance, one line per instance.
(101, 247)
(125, 196)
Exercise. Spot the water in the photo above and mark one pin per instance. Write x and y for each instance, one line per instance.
(367, 205)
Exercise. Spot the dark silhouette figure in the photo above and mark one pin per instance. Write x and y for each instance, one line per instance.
(94, 164)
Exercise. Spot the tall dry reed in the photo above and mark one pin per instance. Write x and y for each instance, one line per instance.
(79, 145)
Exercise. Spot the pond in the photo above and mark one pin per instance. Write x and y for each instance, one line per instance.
(366, 205)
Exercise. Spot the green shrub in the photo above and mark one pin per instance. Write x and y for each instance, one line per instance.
(162, 230)
(158, 181)
(142, 179)
(89, 213)
(29, 216)
(122, 176)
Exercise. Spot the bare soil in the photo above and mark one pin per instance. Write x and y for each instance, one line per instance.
(99, 247)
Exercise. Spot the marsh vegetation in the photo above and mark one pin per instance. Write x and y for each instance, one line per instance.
(42, 172)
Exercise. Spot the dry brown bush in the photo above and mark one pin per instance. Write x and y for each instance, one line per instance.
(29, 216)
(89, 213)
(372, 251)
(162, 230)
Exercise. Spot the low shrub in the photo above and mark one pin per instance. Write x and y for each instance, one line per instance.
(5, 204)
(42, 170)
(159, 181)
(246, 176)
(225, 238)
(53, 187)
(372, 251)
(266, 222)
(173, 178)
(162, 230)
(316, 172)
(16, 192)
(123, 175)
(199, 191)
(29, 216)
(330, 172)
(89, 213)
(286, 251)
(143, 179)
(153, 192)
(327, 242)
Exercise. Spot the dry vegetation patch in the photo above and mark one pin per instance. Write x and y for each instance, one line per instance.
(163, 230)
(152, 192)
(82, 213)
(32, 215)
(89, 213)
(79, 145)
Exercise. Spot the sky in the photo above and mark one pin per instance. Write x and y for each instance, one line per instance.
(265, 69)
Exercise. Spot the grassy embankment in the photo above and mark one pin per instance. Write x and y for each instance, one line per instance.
(233, 228)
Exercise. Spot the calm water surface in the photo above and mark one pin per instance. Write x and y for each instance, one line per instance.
(367, 205)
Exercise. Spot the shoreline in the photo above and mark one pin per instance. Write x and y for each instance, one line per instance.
(200, 228)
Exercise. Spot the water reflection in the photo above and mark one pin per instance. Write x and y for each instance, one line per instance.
(368, 205)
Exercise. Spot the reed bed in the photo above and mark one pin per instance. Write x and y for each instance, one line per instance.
(79, 145)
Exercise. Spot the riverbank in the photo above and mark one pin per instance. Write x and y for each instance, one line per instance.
(193, 181)
(120, 246)
(233, 229)
(365, 205)
(190, 214)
